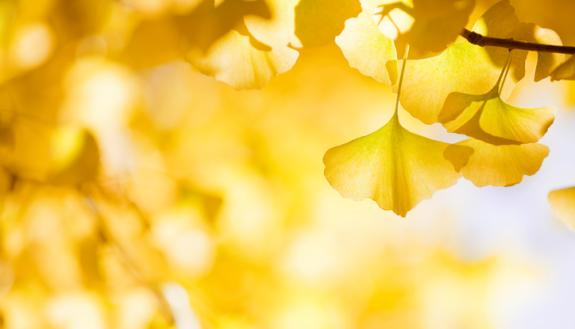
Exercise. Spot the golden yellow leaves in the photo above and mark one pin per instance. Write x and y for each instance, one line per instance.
(392, 166)
(490, 119)
(459, 88)
(235, 61)
(505, 165)
(462, 67)
(317, 22)
(367, 49)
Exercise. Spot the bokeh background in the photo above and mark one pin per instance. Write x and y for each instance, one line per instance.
(211, 209)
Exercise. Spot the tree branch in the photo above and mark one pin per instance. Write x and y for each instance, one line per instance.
(480, 40)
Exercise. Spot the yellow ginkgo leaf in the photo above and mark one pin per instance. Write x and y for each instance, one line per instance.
(563, 204)
(212, 20)
(499, 165)
(317, 22)
(367, 49)
(436, 24)
(462, 67)
(427, 26)
(394, 167)
(235, 60)
(276, 32)
(490, 119)
(554, 14)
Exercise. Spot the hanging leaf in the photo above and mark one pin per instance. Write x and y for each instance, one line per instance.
(463, 68)
(505, 165)
(490, 119)
(394, 167)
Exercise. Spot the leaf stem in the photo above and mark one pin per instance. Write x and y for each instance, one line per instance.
(480, 40)
(503, 74)
(400, 85)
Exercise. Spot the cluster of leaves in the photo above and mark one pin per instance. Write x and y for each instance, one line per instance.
(245, 43)
(446, 80)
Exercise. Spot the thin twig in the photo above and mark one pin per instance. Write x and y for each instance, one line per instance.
(480, 40)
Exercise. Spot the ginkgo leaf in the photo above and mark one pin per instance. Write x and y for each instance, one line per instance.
(501, 21)
(427, 26)
(234, 60)
(547, 62)
(317, 22)
(554, 14)
(494, 165)
(367, 49)
(490, 119)
(436, 24)
(565, 71)
(563, 204)
(210, 21)
(275, 32)
(462, 67)
(393, 166)
(251, 54)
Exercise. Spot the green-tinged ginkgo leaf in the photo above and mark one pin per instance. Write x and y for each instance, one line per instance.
(490, 119)
(499, 165)
(563, 203)
(462, 67)
(236, 61)
(367, 49)
(317, 22)
(394, 167)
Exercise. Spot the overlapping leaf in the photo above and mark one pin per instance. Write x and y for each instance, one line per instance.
(556, 15)
(501, 21)
(385, 28)
(317, 22)
(250, 55)
(499, 165)
(367, 49)
(462, 68)
(488, 118)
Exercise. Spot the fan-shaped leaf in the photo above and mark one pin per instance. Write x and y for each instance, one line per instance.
(490, 119)
(499, 165)
(393, 166)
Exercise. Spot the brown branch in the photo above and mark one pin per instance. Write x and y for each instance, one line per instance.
(480, 40)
